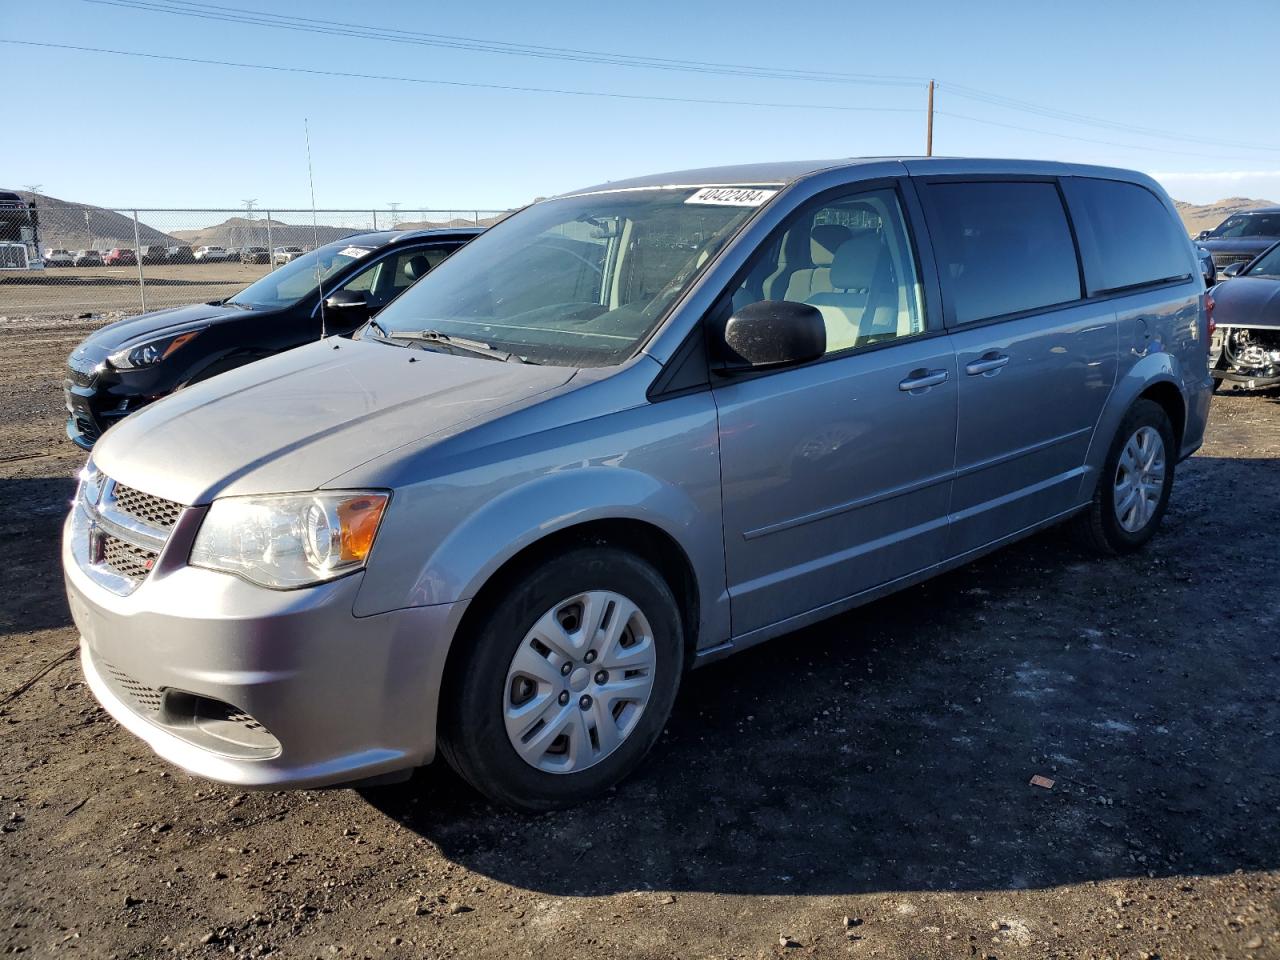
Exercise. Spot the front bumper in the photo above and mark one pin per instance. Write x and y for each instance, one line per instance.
(256, 687)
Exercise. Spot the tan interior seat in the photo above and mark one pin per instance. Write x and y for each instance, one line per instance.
(824, 240)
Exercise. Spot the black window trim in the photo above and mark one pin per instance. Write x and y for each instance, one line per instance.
(359, 266)
(948, 303)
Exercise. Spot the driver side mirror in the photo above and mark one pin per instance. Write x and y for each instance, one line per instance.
(1202, 235)
(771, 334)
(348, 309)
(1207, 268)
(1233, 269)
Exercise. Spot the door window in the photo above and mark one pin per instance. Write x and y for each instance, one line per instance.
(852, 259)
(386, 278)
(1002, 248)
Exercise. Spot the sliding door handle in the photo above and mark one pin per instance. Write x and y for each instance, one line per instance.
(988, 363)
(922, 380)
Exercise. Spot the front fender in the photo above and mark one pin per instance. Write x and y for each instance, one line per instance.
(656, 464)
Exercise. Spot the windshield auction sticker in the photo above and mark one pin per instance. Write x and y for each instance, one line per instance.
(355, 252)
(731, 196)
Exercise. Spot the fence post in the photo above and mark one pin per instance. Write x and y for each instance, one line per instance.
(137, 256)
(375, 219)
(477, 217)
(271, 250)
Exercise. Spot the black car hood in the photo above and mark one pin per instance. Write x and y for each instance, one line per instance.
(1250, 245)
(1247, 302)
(137, 329)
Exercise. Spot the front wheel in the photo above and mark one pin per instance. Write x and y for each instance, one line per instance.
(1133, 490)
(564, 685)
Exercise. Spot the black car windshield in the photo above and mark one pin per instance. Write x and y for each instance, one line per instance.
(578, 281)
(288, 284)
(1248, 225)
(1267, 265)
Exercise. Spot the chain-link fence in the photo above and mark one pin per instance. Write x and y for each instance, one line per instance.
(113, 262)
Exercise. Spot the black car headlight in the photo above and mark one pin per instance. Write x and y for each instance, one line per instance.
(151, 352)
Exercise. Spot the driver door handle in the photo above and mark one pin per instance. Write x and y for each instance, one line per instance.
(986, 364)
(922, 379)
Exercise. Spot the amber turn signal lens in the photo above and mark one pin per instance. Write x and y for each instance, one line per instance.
(358, 519)
(178, 342)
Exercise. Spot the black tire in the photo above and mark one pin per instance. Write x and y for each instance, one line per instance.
(472, 734)
(1098, 529)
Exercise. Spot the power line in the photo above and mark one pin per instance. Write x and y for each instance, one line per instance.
(232, 14)
(1147, 148)
(1053, 113)
(228, 14)
(313, 71)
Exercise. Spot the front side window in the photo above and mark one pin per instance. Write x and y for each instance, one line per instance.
(1248, 225)
(298, 278)
(386, 278)
(577, 281)
(1002, 247)
(851, 258)
(1136, 238)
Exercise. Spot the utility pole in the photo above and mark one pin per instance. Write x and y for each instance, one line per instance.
(928, 137)
(395, 212)
(248, 208)
(32, 187)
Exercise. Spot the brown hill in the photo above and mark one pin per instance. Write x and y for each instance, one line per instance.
(242, 232)
(1206, 216)
(63, 224)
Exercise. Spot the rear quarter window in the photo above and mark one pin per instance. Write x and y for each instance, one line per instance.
(1002, 247)
(1134, 237)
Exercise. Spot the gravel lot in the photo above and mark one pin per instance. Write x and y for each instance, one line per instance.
(58, 291)
(874, 768)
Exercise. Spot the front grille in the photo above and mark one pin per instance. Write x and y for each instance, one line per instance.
(126, 559)
(152, 510)
(1226, 259)
(146, 699)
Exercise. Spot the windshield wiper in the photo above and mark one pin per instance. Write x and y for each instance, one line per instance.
(477, 347)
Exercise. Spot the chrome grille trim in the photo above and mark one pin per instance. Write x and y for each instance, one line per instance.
(152, 510)
(119, 532)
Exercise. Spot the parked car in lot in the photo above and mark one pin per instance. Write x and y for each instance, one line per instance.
(88, 258)
(255, 255)
(210, 254)
(626, 431)
(179, 254)
(120, 257)
(287, 254)
(1246, 343)
(126, 365)
(1242, 236)
(153, 254)
(59, 258)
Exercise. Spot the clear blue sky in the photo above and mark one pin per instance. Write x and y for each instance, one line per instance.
(124, 131)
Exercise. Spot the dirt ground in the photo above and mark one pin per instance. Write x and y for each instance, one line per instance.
(58, 291)
(874, 768)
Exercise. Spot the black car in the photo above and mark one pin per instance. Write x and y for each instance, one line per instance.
(1242, 236)
(128, 364)
(180, 254)
(1246, 344)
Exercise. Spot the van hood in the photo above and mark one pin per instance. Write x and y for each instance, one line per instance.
(296, 420)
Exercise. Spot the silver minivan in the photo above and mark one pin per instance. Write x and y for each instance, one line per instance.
(627, 431)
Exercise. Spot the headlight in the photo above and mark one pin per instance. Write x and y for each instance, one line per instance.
(289, 541)
(146, 354)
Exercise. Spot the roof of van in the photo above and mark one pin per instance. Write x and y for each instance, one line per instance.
(788, 171)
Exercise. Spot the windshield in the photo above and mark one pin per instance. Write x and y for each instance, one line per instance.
(1249, 225)
(288, 284)
(1267, 265)
(578, 281)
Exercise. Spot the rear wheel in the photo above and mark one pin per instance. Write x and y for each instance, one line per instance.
(563, 687)
(1133, 490)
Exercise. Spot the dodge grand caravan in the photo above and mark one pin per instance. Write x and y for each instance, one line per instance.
(627, 431)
